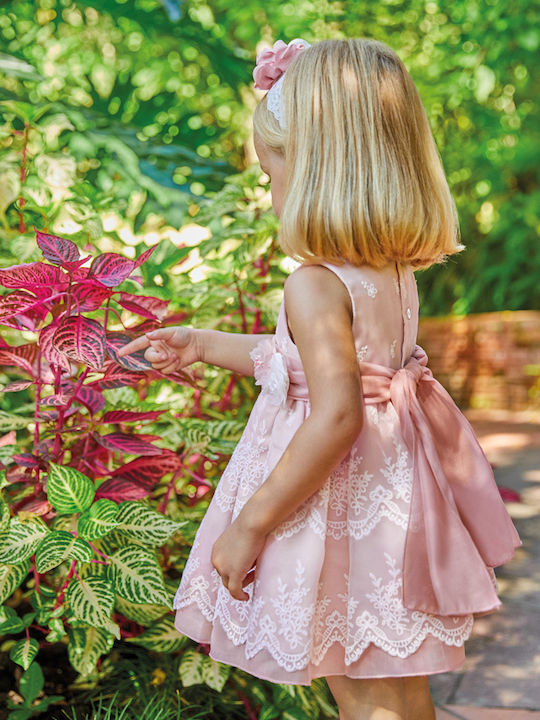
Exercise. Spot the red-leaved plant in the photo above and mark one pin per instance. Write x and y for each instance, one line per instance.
(69, 496)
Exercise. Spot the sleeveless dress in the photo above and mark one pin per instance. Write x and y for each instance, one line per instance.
(328, 597)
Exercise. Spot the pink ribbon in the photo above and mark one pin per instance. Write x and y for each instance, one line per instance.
(458, 524)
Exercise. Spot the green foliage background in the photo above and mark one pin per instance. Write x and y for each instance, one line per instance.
(125, 123)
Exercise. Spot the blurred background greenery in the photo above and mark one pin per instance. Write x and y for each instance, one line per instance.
(125, 116)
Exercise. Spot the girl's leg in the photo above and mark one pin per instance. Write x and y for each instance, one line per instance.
(400, 698)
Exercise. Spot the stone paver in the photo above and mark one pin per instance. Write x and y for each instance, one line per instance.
(501, 676)
(462, 712)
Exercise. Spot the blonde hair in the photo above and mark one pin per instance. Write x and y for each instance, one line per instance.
(364, 180)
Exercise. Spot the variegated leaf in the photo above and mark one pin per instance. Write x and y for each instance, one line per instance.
(59, 546)
(11, 576)
(144, 524)
(43, 602)
(214, 673)
(24, 651)
(14, 624)
(111, 269)
(57, 250)
(98, 520)
(32, 275)
(81, 339)
(190, 668)
(21, 539)
(10, 421)
(143, 613)
(137, 576)
(86, 645)
(4, 513)
(161, 636)
(134, 361)
(68, 490)
(91, 600)
(127, 443)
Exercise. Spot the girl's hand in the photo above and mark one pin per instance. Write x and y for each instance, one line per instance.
(169, 349)
(234, 554)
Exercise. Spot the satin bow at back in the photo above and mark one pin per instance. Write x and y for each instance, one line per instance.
(458, 524)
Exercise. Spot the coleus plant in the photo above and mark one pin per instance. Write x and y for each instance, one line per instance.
(74, 516)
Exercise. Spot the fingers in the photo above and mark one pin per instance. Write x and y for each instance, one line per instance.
(235, 586)
(131, 347)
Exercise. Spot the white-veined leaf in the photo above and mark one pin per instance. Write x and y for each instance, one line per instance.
(24, 651)
(144, 524)
(21, 539)
(161, 636)
(214, 673)
(137, 576)
(91, 600)
(190, 668)
(11, 576)
(68, 490)
(58, 546)
(98, 520)
(85, 645)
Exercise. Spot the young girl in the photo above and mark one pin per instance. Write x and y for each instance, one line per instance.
(355, 528)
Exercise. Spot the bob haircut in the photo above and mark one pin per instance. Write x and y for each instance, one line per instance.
(364, 180)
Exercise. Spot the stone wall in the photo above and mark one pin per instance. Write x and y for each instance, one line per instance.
(488, 360)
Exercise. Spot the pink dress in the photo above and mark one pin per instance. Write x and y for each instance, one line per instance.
(379, 572)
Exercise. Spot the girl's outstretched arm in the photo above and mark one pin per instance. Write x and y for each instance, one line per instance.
(319, 314)
(175, 347)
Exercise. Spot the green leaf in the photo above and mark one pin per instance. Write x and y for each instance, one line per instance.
(68, 490)
(59, 546)
(161, 636)
(31, 683)
(85, 645)
(268, 712)
(11, 576)
(137, 576)
(10, 421)
(214, 673)
(143, 613)
(4, 513)
(21, 539)
(190, 668)
(13, 624)
(24, 651)
(142, 523)
(98, 520)
(91, 600)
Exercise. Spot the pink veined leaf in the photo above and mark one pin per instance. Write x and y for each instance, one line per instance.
(28, 460)
(115, 376)
(119, 490)
(55, 400)
(48, 350)
(80, 273)
(22, 356)
(91, 399)
(53, 415)
(149, 307)
(111, 269)
(149, 470)
(120, 416)
(32, 275)
(134, 361)
(9, 438)
(143, 257)
(38, 505)
(14, 303)
(55, 249)
(132, 444)
(138, 279)
(17, 385)
(81, 339)
(90, 294)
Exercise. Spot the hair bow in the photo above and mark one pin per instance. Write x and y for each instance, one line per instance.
(272, 62)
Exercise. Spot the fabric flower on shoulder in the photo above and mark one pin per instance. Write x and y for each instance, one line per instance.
(270, 370)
